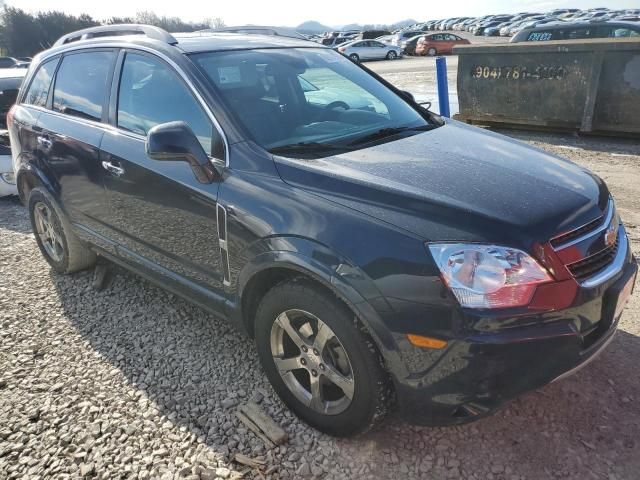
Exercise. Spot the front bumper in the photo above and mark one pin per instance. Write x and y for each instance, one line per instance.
(479, 372)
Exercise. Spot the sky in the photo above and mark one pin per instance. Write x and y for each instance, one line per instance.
(294, 12)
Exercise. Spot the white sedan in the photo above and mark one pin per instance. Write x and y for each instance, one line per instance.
(370, 50)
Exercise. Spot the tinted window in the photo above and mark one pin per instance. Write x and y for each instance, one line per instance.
(81, 84)
(578, 33)
(151, 93)
(39, 88)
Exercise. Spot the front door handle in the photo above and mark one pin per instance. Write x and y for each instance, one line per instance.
(44, 142)
(112, 169)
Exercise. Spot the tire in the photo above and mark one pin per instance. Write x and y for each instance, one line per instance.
(350, 354)
(392, 55)
(60, 247)
(432, 52)
(354, 57)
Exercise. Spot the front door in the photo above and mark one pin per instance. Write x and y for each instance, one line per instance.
(163, 217)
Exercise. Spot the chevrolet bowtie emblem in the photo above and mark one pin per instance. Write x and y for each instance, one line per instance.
(611, 235)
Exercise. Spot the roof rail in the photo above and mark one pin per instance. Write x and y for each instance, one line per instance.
(150, 31)
(258, 30)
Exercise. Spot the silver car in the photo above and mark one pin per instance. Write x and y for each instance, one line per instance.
(370, 50)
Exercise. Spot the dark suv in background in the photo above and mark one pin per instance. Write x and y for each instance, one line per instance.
(376, 252)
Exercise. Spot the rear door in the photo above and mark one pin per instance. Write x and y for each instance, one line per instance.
(69, 136)
(22, 132)
(165, 220)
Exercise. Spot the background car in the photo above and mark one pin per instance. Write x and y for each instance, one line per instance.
(439, 43)
(10, 81)
(399, 37)
(578, 30)
(409, 45)
(370, 50)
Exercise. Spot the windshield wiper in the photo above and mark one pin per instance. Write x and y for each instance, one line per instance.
(306, 147)
(390, 131)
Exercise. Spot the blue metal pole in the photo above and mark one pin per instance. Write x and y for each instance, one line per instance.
(443, 86)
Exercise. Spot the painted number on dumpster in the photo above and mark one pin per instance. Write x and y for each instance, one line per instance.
(518, 72)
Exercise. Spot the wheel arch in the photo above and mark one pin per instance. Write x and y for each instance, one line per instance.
(30, 177)
(332, 273)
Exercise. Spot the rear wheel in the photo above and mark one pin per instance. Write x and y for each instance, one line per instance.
(432, 52)
(354, 57)
(322, 365)
(392, 55)
(57, 242)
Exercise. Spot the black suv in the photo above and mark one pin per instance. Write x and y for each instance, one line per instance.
(376, 252)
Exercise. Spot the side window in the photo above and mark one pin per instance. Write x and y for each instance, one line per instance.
(39, 88)
(151, 93)
(81, 84)
(578, 34)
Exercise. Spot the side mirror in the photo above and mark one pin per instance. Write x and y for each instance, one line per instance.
(408, 95)
(175, 141)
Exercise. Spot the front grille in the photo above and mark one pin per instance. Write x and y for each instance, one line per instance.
(593, 264)
(572, 235)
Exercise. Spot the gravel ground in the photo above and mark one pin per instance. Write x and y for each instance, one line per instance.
(132, 382)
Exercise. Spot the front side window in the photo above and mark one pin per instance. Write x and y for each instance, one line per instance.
(151, 93)
(39, 88)
(81, 84)
(296, 96)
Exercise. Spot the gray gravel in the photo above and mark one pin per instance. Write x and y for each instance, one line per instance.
(132, 382)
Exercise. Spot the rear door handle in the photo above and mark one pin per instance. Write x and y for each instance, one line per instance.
(44, 142)
(112, 169)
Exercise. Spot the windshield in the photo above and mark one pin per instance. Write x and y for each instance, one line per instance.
(306, 96)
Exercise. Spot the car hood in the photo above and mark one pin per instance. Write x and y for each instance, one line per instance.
(457, 183)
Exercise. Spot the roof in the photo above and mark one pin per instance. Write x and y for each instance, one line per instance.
(12, 72)
(208, 41)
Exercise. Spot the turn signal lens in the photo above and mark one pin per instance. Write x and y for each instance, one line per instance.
(488, 276)
(426, 342)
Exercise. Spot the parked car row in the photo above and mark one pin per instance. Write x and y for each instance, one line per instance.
(510, 24)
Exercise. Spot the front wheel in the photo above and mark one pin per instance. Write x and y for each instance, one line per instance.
(322, 365)
(354, 57)
(392, 55)
(432, 52)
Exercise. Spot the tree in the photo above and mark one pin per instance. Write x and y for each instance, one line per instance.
(23, 34)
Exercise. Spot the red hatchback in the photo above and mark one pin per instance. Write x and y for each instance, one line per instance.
(439, 43)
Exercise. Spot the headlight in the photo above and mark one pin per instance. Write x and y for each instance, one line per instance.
(488, 276)
(9, 177)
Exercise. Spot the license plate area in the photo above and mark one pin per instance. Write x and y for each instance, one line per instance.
(614, 302)
(623, 298)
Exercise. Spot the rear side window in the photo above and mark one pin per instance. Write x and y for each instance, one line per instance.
(39, 88)
(81, 84)
(151, 93)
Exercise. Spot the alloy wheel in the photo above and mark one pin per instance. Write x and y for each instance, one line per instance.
(46, 231)
(312, 362)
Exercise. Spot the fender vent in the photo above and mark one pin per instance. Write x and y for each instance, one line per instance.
(221, 217)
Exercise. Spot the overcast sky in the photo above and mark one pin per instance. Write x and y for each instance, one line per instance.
(293, 12)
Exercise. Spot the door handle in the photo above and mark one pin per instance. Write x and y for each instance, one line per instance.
(44, 142)
(112, 169)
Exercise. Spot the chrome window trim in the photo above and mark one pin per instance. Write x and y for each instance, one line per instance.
(615, 266)
(605, 224)
(179, 71)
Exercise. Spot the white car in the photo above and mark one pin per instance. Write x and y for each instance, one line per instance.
(370, 50)
(10, 81)
(7, 177)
